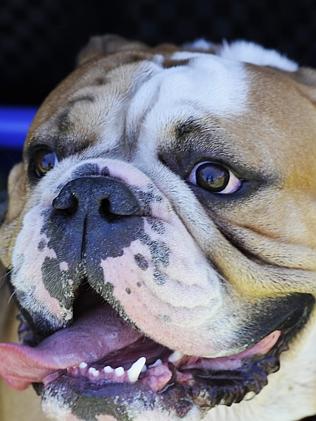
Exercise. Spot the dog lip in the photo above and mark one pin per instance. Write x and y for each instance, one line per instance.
(203, 388)
(166, 369)
(207, 387)
(85, 387)
(70, 346)
(45, 354)
(95, 336)
(234, 388)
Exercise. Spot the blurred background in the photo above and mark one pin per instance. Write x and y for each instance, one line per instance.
(40, 39)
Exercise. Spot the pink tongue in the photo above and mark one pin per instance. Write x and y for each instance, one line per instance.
(90, 338)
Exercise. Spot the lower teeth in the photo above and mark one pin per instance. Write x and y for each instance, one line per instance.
(117, 375)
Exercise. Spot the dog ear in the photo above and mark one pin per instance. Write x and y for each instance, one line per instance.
(306, 80)
(100, 46)
(14, 207)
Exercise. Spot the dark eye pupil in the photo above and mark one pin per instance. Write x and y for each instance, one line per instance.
(44, 162)
(212, 177)
(48, 161)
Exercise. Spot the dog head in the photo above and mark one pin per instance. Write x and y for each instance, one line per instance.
(160, 231)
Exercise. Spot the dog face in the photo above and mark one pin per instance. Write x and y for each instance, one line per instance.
(160, 233)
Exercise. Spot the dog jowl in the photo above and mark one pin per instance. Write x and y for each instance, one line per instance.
(159, 239)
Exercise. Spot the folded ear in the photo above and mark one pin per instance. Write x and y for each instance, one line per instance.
(103, 45)
(306, 80)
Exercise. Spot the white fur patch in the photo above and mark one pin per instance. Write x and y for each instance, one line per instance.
(55, 407)
(246, 52)
(249, 52)
(207, 85)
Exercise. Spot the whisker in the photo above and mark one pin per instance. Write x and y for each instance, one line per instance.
(11, 297)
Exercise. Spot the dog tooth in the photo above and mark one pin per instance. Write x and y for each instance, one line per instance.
(175, 357)
(144, 369)
(83, 365)
(108, 369)
(93, 372)
(134, 372)
(119, 371)
(249, 396)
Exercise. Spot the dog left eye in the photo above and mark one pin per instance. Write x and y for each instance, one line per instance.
(215, 178)
(43, 161)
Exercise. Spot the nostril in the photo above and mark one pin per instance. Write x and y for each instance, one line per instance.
(67, 204)
(106, 212)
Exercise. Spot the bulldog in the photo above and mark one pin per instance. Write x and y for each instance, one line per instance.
(160, 240)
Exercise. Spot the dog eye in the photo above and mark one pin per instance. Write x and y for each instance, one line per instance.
(215, 178)
(43, 161)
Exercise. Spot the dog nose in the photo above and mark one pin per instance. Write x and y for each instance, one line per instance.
(108, 197)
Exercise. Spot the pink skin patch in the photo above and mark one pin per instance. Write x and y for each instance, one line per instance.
(159, 298)
(157, 377)
(234, 361)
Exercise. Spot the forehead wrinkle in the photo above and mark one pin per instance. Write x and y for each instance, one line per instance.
(135, 133)
(63, 121)
(207, 86)
(70, 136)
(210, 140)
(127, 138)
(63, 145)
(156, 78)
(204, 143)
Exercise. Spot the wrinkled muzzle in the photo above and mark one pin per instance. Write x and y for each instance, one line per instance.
(104, 224)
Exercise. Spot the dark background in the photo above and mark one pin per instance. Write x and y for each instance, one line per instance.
(39, 39)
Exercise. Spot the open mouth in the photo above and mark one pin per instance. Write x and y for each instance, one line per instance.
(101, 355)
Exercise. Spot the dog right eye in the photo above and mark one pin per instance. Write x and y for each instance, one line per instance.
(43, 160)
(215, 178)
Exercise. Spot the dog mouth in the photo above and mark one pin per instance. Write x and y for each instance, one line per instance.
(102, 356)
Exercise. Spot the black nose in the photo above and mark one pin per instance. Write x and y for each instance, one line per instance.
(105, 196)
